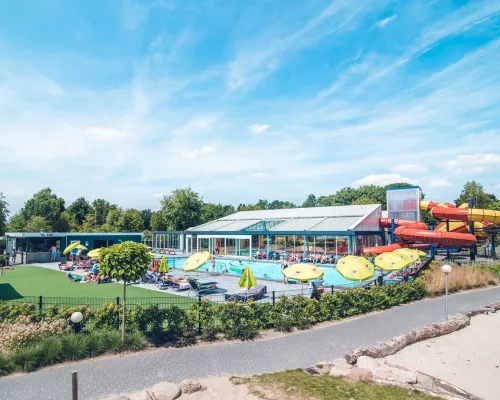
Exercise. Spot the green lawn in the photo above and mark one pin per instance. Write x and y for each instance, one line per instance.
(37, 281)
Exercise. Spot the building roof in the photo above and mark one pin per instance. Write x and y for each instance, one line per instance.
(314, 219)
(61, 234)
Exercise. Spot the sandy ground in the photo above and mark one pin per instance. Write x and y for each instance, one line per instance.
(469, 358)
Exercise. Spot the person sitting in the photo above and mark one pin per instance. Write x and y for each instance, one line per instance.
(74, 278)
(95, 269)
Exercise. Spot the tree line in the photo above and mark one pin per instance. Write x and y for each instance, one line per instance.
(184, 208)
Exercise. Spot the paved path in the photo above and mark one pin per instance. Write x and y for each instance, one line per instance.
(133, 372)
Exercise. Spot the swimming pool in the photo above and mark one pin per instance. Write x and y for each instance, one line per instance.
(270, 270)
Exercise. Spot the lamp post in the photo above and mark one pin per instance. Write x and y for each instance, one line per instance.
(76, 318)
(447, 270)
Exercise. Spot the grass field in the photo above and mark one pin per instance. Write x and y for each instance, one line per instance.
(37, 281)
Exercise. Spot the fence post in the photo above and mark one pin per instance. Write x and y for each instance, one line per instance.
(117, 300)
(332, 289)
(40, 304)
(199, 316)
(274, 297)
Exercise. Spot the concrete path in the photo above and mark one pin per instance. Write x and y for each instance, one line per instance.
(105, 376)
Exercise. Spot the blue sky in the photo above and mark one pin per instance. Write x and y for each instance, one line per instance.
(243, 100)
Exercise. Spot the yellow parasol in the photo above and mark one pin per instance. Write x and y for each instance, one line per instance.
(163, 265)
(355, 268)
(247, 279)
(411, 254)
(391, 261)
(71, 247)
(303, 272)
(81, 247)
(194, 262)
(94, 253)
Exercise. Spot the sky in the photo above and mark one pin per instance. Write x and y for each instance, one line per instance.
(241, 100)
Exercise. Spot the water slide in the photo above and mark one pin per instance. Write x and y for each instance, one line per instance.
(455, 235)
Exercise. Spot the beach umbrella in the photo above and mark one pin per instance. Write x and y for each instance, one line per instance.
(303, 272)
(195, 262)
(409, 253)
(355, 268)
(94, 253)
(81, 247)
(247, 279)
(71, 247)
(164, 266)
(391, 261)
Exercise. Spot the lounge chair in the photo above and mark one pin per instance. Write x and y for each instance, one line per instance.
(201, 288)
(74, 278)
(256, 293)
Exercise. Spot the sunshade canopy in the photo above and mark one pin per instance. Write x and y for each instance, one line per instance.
(94, 253)
(163, 265)
(355, 268)
(71, 247)
(247, 279)
(392, 261)
(303, 272)
(409, 253)
(194, 262)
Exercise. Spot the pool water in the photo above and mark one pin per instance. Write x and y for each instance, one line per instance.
(270, 270)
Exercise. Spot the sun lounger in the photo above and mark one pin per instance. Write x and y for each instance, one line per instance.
(201, 288)
(255, 293)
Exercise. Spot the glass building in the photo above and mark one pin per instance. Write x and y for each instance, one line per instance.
(319, 230)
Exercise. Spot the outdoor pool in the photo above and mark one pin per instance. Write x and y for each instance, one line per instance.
(269, 270)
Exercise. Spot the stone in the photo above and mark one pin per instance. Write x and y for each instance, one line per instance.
(401, 376)
(339, 371)
(383, 372)
(495, 306)
(191, 385)
(123, 398)
(367, 362)
(338, 362)
(359, 375)
(426, 382)
(312, 371)
(484, 310)
(392, 346)
(165, 391)
(324, 370)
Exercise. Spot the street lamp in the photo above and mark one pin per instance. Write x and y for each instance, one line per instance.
(447, 270)
(76, 318)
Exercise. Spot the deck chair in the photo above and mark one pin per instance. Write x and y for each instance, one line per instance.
(74, 278)
(255, 293)
(201, 288)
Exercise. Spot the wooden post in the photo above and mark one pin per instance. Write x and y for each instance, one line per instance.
(74, 385)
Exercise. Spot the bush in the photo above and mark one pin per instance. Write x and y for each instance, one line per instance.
(6, 365)
(236, 321)
(110, 341)
(27, 358)
(10, 312)
(108, 317)
(51, 351)
(461, 278)
(134, 341)
(75, 347)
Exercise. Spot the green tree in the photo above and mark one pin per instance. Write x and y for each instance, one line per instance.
(79, 210)
(89, 224)
(311, 201)
(159, 222)
(38, 224)
(279, 205)
(4, 214)
(213, 211)
(146, 218)
(182, 209)
(126, 262)
(113, 218)
(44, 204)
(475, 191)
(66, 223)
(130, 221)
(17, 223)
(100, 208)
(248, 207)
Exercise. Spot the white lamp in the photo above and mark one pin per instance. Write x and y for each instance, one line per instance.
(76, 317)
(447, 270)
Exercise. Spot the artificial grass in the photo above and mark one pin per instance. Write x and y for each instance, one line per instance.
(25, 281)
(297, 384)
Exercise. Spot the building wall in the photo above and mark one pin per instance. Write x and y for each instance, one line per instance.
(97, 240)
(371, 222)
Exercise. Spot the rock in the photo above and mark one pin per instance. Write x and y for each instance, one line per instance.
(426, 382)
(123, 398)
(165, 391)
(359, 375)
(383, 372)
(191, 385)
(392, 346)
(339, 371)
(367, 362)
(340, 362)
(325, 369)
(401, 376)
(485, 310)
(495, 306)
(312, 371)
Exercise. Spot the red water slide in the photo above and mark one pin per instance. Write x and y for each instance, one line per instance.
(448, 239)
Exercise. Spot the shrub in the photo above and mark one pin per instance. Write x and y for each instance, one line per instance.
(107, 317)
(236, 321)
(209, 333)
(134, 341)
(187, 338)
(147, 319)
(10, 312)
(26, 359)
(110, 341)
(461, 278)
(75, 347)
(51, 350)
(23, 330)
(6, 365)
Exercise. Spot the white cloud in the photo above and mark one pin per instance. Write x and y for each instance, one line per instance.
(384, 22)
(198, 152)
(474, 163)
(383, 179)
(259, 128)
(439, 183)
(257, 175)
(101, 133)
(158, 195)
(409, 168)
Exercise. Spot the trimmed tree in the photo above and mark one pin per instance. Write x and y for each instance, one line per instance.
(126, 262)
